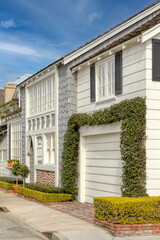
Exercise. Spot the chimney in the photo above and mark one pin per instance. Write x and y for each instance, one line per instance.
(10, 88)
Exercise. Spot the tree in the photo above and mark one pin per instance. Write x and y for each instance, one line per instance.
(24, 172)
(16, 170)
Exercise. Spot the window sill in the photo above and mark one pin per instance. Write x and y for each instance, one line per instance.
(109, 99)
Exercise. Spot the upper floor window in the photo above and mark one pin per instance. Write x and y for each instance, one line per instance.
(105, 78)
(42, 97)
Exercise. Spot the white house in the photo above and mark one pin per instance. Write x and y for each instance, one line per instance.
(120, 64)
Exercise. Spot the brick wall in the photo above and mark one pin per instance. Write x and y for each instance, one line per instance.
(45, 177)
(120, 230)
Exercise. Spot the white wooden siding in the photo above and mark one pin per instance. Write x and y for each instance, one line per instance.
(3, 159)
(134, 80)
(103, 166)
(152, 127)
(102, 161)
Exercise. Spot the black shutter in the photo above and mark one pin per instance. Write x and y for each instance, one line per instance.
(118, 73)
(156, 60)
(92, 83)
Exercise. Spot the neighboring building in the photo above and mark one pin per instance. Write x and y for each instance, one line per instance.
(10, 136)
(120, 64)
(10, 126)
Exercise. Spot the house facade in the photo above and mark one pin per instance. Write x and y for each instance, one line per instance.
(122, 63)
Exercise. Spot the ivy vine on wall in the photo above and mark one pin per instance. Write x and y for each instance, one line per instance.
(132, 114)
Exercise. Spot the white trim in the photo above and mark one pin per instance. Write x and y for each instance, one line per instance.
(56, 128)
(150, 33)
(81, 180)
(111, 33)
(97, 130)
(91, 131)
(106, 53)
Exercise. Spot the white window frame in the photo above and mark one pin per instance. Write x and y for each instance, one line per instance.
(103, 85)
(16, 141)
(50, 150)
(42, 97)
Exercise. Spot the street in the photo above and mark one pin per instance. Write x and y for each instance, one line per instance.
(13, 229)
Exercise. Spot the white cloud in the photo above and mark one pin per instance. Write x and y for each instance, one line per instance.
(19, 49)
(7, 24)
(94, 16)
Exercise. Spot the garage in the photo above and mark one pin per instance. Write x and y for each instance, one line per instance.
(100, 162)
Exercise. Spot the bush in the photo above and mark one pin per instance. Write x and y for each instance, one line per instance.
(124, 210)
(10, 180)
(6, 185)
(44, 197)
(44, 188)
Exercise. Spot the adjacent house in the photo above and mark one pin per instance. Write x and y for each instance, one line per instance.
(122, 63)
(10, 126)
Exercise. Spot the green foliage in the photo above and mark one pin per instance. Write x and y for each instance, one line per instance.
(8, 108)
(132, 114)
(6, 185)
(16, 170)
(10, 180)
(13, 161)
(124, 210)
(44, 197)
(24, 172)
(44, 188)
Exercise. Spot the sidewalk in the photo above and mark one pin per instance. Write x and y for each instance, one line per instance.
(63, 226)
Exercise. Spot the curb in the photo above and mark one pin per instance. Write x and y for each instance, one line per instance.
(54, 235)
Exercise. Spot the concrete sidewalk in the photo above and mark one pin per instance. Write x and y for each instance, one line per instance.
(63, 226)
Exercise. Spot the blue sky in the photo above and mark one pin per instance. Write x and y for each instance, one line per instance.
(34, 33)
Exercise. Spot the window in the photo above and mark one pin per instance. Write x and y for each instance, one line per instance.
(39, 150)
(41, 97)
(16, 141)
(50, 149)
(105, 78)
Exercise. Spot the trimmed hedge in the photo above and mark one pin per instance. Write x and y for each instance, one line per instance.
(44, 188)
(6, 185)
(124, 210)
(10, 180)
(44, 197)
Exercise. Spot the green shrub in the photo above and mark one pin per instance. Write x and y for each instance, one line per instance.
(6, 185)
(132, 114)
(44, 188)
(44, 197)
(124, 210)
(10, 180)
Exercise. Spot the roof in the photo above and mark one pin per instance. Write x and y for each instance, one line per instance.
(151, 23)
(14, 112)
(41, 71)
(22, 78)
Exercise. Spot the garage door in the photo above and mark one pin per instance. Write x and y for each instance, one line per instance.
(103, 167)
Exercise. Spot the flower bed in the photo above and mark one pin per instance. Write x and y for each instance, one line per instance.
(124, 216)
(44, 197)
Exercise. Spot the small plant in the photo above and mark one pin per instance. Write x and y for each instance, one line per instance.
(24, 172)
(16, 170)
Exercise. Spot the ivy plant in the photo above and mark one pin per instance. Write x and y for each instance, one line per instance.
(132, 115)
